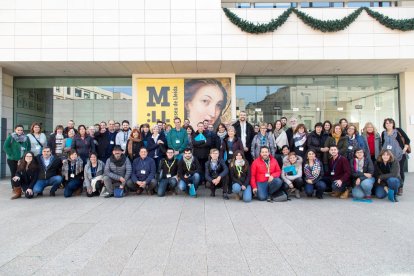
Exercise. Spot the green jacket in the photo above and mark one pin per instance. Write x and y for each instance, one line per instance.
(178, 140)
(15, 150)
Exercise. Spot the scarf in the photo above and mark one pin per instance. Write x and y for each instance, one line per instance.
(59, 144)
(78, 167)
(263, 139)
(336, 137)
(391, 140)
(19, 138)
(299, 139)
(359, 165)
(131, 144)
(239, 163)
(188, 162)
(120, 162)
(313, 172)
(276, 133)
(222, 135)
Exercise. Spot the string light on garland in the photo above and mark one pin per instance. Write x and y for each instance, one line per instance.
(317, 24)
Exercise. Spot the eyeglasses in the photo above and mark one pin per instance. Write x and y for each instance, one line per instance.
(29, 156)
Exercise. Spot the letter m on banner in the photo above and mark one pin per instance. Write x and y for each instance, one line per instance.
(155, 100)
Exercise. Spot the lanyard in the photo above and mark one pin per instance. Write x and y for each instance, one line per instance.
(169, 167)
(125, 136)
(239, 170)
(267, 165)
(188, 167)
(72, 168)
(335, 163)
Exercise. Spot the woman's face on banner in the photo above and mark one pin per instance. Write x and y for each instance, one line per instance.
(206, 104)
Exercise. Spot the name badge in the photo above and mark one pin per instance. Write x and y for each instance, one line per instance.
(332, 173)
(38, 147)
(177, 141)
(301, 148)
(168, 175)
(112, 142)
(72, 175)
(389, 147)
(142, 171)
(267, 175)
(22, 148)
(230, 152)
(350, 147)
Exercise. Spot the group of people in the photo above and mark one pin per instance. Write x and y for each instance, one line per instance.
(270, 163)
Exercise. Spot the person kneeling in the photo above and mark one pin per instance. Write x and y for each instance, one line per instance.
(362, 171)
(168, 174)
(93, 175)
(265, 178)
(387, 171)
(188, 171)
(72, 171)
(292, 173)
(49, 175)
(216, 173)
(117, 172)
(26, 176)
(143, 174)
(240, 176)
(338, 174)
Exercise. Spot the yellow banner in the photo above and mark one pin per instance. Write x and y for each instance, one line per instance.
(160, 99)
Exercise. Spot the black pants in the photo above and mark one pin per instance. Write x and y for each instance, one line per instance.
(402, 168)
(13, 168)
(223, 184)
(298, 183)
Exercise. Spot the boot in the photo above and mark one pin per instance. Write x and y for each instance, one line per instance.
(345, 194)
(335, 194)
(17, 192)
(400, 191)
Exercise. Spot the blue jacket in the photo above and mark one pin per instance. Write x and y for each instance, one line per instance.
(143, 170)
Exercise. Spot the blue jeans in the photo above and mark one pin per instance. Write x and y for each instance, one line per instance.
(194, 179)
(166, 183)
(247, 193)
(54, 181)
(266, 189)
(393, 183)
(72, 186)
(363, 189)
(319, 186)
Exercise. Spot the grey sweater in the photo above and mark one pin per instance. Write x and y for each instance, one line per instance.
(87, 173)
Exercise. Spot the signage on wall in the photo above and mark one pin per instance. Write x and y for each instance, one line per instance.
(358, 106)
(194, 98)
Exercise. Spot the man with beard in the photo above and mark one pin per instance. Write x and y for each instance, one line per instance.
(245, 132)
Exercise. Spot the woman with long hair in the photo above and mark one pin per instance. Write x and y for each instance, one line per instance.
(292, 173)
(72, 173)
(387, 172)
(56, 141)
(240, 176)
(93, 175)
(145, 133)
(372, 139)
(25, 177)
(396, 140)
(336, 139)
(230, 145)
(362, 175)
(134, 143)
(280, 137)
(313, 174)
(300, 136)
(83, 144)
(37, 139)
(221, 132)
(190, 131)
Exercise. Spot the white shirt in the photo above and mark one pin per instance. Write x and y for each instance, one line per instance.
(243, 133)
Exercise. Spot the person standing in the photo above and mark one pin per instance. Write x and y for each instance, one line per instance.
(37, 139)
(157, 146)
(300, 136)
(201, 146)
(106, 140)
(15, 146)
(265, 176)
(70, 125)
(177, 139)
(373, 140)
(280, 137)
(123, 135)
(263, 138)
(396, 140)
(56, 141)
(230, 145)
(134, 144)
(83, 144)
(315, 141)
(290, 131)
(245, 132)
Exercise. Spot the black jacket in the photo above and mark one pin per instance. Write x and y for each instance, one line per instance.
(243, 179)
(182, 168)
(28, 178)
(53, 169)
(83, 146)
(315, 142)
(104, 147)
(367, 168)
(384, 172)
(222, 170)
(249, 133)
(201, 149)
(164, 170)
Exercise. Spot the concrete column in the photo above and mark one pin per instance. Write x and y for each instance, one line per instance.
(6, 118)
(406, 109)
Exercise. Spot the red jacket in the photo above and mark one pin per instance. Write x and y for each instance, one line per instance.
(259, 171)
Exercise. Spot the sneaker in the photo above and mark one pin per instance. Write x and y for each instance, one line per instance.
(109, 195)
(105, 194)
(270, 199)
(297, 193)
(52, 193)
(319, 196)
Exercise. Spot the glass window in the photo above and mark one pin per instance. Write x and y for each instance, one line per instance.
(359, 4)
(315, 99)
(306, 5)
(264, 5)
(320, 4)
(337, 4)
(243, 5)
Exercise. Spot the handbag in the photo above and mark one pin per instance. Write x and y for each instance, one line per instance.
(403, 140)
(192, 190)
(118, 192)
(38, 142)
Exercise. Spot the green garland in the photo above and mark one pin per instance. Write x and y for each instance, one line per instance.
(317, 24)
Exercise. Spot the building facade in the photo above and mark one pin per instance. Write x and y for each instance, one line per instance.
(74, 59)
